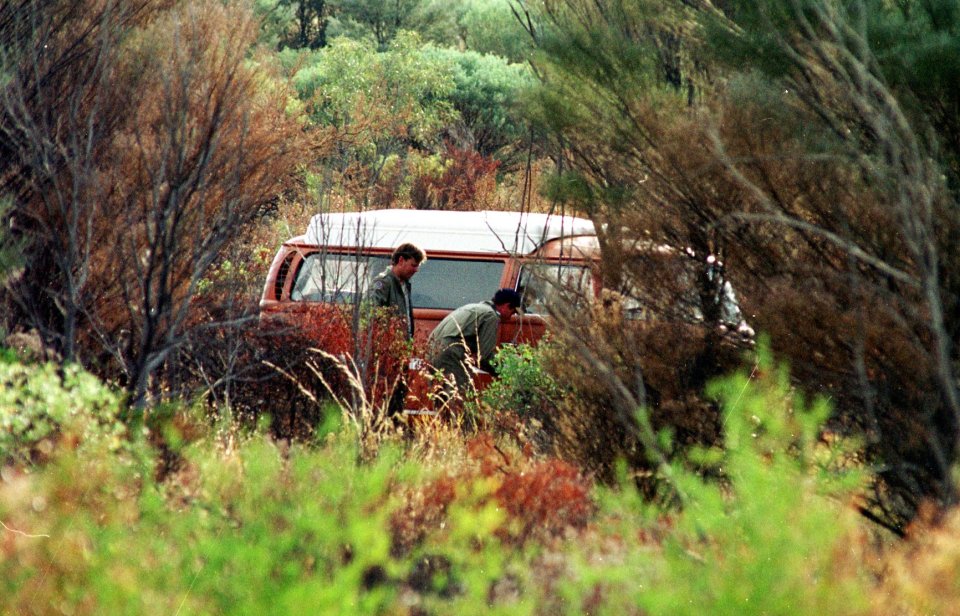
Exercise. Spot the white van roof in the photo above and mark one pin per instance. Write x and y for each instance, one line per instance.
(483, 232)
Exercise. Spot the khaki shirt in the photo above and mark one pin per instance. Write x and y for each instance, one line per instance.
(388, 291)
(468, 329)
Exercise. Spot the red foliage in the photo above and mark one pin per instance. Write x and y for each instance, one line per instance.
(422, 511)
(467, 176)
(547, 498)
(274, 368)
(377, 348)
(484, 450)
(540, 499)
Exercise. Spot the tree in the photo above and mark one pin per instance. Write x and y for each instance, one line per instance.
(9, 250)
(810, 162)
(614, 103)
(487, 96)
(381, 19)
(378, 105)
(877, 102)
(56, 120)
(142, 141)
(482, 26)
(296, 24)
(491, 27)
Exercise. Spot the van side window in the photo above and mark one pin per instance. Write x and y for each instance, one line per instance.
(440, 283)
(330, 277)
(451, 283)
(544, 283)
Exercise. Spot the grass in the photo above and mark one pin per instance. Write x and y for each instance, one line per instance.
(445, 523)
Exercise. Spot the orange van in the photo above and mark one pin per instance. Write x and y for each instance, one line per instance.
(469, 256)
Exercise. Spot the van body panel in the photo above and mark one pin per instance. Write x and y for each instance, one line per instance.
(578, 247)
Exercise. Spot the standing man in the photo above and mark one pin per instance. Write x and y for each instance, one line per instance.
(391, 287)
(470, 332)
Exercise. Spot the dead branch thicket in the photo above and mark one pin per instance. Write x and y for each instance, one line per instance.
(139, 140)
(626, 161)
(826, 197)
(860, 288)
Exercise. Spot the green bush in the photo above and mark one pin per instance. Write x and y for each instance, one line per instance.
(486, 94)
(386, 95)
(44, 407)
(248, 524)
(777, 535)
(522, 384)
(245, 526)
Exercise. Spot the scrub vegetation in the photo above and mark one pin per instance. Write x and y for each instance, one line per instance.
(161, 452)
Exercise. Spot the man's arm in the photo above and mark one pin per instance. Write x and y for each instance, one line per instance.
(379, 292)
(487, 325)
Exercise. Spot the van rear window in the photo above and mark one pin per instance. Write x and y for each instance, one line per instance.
(440, 283)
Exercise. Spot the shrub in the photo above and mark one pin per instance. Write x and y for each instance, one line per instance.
(524, 403)
(247, 525)
(533, 500)
(922, 575)
(423, 509)
(486, 97)
(45, 409)
(466, 183)
(630, 380)
(835, 212)
(148, 116)
(252, 524)
(377, 105)
(544, 500)
(779, 534)
(522, 384)
(287, 368)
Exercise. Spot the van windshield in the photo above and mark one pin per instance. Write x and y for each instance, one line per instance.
(440, 283)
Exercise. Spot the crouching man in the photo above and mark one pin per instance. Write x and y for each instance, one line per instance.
(466, 336)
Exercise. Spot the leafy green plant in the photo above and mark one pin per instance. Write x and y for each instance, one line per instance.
(492, 27)
(44, 408)
(249, 524)
(380, 95)
(246, 524)
(487, 95)
(777, 535)
(523, 386)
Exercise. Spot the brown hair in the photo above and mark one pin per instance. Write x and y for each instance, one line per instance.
(410, 251)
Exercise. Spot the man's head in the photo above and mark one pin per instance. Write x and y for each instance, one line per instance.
(507, 302)
(406, 260)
